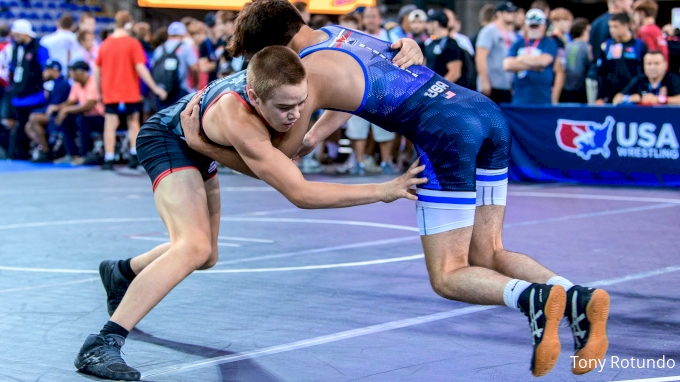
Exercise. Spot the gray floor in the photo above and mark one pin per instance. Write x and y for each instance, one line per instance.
(334, 295)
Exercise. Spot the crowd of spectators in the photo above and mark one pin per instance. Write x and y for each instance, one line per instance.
(72, 86)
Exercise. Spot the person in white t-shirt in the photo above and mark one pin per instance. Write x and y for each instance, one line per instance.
(86, 50)
(63, 43)
(454, 32)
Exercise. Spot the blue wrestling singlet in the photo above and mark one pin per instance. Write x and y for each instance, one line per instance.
(455, 130)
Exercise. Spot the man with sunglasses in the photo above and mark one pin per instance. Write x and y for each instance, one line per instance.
(533, 62)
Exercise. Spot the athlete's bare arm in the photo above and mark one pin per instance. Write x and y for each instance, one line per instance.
(329, 122)
(247, 134)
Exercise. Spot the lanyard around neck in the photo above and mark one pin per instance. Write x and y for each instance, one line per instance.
(527, 48)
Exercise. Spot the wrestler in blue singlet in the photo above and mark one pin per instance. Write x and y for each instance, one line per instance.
(461, 136)
(456, 130)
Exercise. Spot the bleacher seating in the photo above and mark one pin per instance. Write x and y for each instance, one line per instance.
(44, 13)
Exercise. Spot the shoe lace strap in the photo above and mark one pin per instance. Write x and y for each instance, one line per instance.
(111, 352)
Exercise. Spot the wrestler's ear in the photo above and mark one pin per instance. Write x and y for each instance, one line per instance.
(252, 96)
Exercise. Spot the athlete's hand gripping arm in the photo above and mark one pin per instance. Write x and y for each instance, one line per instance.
(329, 122)
(192, 133)
(409, 53)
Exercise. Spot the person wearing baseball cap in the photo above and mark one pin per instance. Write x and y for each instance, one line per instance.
(185, 61)
(26, 71)
(403, 30)
(59, 89)
(492, 46)
(533, 60)
(443, 54)
(418, 22)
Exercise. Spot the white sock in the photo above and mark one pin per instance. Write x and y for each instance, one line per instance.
(559, 280)
(512, 291)
(109, 156)
(133, 151)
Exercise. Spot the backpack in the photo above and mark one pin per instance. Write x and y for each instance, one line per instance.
(165, 71)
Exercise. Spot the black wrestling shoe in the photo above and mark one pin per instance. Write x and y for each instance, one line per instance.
(587, 311)
(107, 165)
(114, 283)
(100, 356)
(544, 306)
(133, 162)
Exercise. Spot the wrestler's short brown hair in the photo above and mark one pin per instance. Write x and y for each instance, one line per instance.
(272, 67)
(264, 23)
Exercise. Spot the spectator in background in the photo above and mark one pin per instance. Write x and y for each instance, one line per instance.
(301, 6)
(486, 16)
(403, 30)
(159, 37)
(669, 31)
(62, 44)
(418, 22)
(673, 40)
(211, 49)
(234, 63)
(599, 33)
(492, 47)
(142, 32)
(319, 21)
(454, 32)
(199, 34)
(81, 114)
(533, 61)
(561, 19)
(620, 59)
(655, 86)
(187, 21)
(372, 20)
(644, 13)
(227, 18)
(579, 56)
(86, 22)
(520, 17)
(28, 61)
(350, 20)
(106, 32)
(86, 50)
(5, 59)
(175, 61)
(39, 119)
(543, 6)
(442, 53)
(118, 68)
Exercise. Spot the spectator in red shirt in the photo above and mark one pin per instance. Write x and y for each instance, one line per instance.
(120, 64)
(644, 13)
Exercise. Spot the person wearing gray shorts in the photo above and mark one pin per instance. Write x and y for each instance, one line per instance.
(357, 131)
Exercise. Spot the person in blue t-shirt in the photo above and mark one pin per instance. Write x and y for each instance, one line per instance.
(39, 118)
(533, 60)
